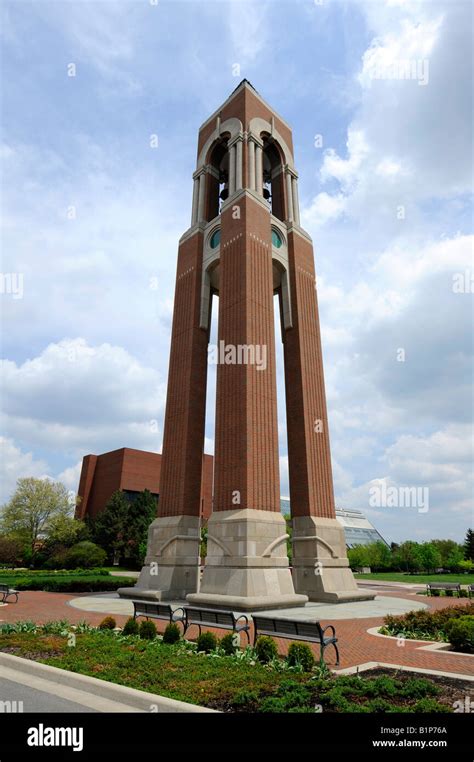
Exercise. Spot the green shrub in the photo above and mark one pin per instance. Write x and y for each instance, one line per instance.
(449, 593)
(171, 634)
(266, 649)
(10, 575)
(108, 623)
(227, 644)
(130, 627)
(245, 699)
(147, 630)
(290, 696)
(426, 624)
(418, 687)
(429, 706)
(206, 642)
(461, 634)
(71, 584)
(86, 554)
(463, 594)
(300, 653)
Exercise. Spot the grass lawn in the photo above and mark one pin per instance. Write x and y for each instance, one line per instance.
(236, 683)
(422, 579)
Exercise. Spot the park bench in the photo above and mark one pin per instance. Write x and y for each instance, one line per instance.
(6, 591)
(290, 628)
(152, 610)
(470, 590)
(442, 586)
(224, 620)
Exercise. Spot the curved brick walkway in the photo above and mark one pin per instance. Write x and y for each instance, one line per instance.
(355, 644)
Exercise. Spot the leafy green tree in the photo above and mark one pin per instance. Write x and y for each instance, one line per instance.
(140, 514)
(446, 548)
(430, 556)
(469, 545)
(121, 529)
(11, 551)
(378, 555)
(66, 530)
(408, 556)
(358, 557)
(34, 507)
(109, 529)
(455, 559)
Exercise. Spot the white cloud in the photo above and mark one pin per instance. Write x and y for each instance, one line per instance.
(78, 398)
(15, 464)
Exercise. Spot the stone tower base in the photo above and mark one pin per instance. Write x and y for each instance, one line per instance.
(247, 565)
(320, 566)
(171, 569)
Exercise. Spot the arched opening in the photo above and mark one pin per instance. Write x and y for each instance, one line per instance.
(217, 178)
(273, 178)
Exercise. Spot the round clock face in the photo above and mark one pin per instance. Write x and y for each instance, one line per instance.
(276, 239)
(215, 238)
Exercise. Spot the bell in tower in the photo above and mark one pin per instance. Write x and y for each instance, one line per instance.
(245, 243)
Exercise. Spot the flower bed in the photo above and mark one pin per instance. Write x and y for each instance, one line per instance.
(453, 623)
(235, 682)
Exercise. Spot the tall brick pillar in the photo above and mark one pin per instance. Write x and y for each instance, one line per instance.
(172, 562)
(320, 566)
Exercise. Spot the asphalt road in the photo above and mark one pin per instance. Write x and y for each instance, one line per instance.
(35, 700)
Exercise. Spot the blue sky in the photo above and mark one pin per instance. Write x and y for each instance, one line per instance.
(86, 347)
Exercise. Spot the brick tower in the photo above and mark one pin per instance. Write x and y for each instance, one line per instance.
(245, 243)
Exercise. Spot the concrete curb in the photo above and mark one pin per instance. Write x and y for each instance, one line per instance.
(136, 700)
(369, 665)
(433, 645)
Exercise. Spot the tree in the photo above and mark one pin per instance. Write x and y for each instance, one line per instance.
(446, 548)
(469, 545)
(122, 528)
(430, 556)
(34, 507)
(66, 531)
(358, 556)
(408, 556)
(141, 512)
(109, 530)
(11, 551)
(378, 555)
(455, 559)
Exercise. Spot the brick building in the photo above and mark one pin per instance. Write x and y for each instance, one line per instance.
(131, 471)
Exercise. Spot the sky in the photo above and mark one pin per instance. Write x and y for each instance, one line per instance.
(93, 207)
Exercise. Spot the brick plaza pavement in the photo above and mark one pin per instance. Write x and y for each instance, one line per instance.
(356, 645)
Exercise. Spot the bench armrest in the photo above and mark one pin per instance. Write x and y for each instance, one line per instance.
(182, 617)
(329, 626)
(242, 616)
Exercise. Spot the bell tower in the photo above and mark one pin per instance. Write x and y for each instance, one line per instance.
(245, 243)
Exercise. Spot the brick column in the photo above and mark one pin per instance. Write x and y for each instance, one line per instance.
(320, 566)
(171, 567)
